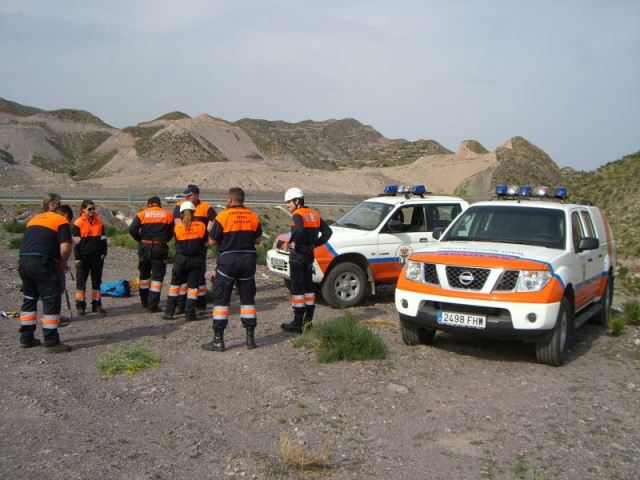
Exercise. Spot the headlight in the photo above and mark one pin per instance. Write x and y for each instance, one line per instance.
(413, 271)
(533, 280)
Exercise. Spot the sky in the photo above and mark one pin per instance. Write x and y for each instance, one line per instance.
(564, 74)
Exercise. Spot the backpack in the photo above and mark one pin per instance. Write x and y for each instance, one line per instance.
(115, 288)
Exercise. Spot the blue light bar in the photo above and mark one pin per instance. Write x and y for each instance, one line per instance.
(525, 191)
(390, 189)
(513, 190)
(418, 190)
(541, 192)
(561, 193)
(501, 190)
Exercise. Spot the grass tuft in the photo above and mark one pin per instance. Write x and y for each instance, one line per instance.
(128, 358)
(14, 226)
(342, 339)
(616, 326)
(124, 240)
(15, 243)
(631, 313)
(298, 456)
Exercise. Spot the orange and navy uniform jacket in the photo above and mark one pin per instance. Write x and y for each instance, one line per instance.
(235, 229)
(305, 226)
(204, 212)
(152, 225)
(44, 234)
(93, 241)
(191, 242)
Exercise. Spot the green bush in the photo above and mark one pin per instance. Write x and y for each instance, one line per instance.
(342, 339)
(14, 243)
(631, 313)
(616, 326)
(14, 226)
(262, 250)
(128, 358)
(124, 240)
(111, 231)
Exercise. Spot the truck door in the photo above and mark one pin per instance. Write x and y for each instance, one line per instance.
(593, 269)
(585, 284)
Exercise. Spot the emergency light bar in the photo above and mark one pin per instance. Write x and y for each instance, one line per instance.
(418, 190)
(514, 191)
(390, 189)
(525, 191)
(561, 193)
(403, 189)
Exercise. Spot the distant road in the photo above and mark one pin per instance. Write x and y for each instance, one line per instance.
(325, 201)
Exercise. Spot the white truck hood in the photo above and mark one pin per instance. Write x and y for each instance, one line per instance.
(530, 252)
(342, 235)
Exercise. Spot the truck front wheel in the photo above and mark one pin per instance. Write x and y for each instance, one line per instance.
(552, 351)
(344, 286)
(416, 336)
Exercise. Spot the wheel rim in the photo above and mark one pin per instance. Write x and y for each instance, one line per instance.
(346, 286)
(564, 323)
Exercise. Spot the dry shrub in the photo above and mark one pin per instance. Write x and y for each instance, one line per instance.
(298, 456)
(380, 322)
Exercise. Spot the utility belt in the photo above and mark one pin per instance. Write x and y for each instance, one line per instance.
(153, 242)
(44, 260)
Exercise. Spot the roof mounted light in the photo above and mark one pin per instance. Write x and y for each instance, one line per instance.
(418, 190)
(390, 189)
(525, 192)
(561, 193)
(513, 190)
(541, 191)
(501, 190)
(403, 189)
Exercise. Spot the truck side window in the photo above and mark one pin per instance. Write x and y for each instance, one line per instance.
(442, 215)
(588, 224)
(576, 230)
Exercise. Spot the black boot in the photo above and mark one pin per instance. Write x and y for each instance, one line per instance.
(81, 308)
(217, 344)
(97, 308)
(308, 318)
(295, 326)
(251, 339)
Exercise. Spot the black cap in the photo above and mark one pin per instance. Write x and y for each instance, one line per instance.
(191, 188)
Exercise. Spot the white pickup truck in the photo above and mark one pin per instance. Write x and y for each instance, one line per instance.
(371, 242)
(512, 267)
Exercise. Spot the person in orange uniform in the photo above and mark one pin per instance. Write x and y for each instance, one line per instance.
(204, 213)
(152, 228)
(236, 231)
(44, 251)
(191, 244)
(308, 231)
(90, 250)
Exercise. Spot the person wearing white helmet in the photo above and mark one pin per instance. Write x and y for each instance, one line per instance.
(191, 244)
(308, 231)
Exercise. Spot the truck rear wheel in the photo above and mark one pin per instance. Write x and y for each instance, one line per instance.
(602, 318)
(552, 351)
(416, 336)
(344, 286)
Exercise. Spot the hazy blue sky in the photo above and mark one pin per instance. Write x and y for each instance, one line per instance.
(563, 74)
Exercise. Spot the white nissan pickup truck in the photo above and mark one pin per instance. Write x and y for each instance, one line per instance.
(513, 267)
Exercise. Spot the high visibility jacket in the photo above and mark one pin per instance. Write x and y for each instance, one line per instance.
(305, 226)
(93, 240)
(152, 225)
(204, 212)
(235, 229)
(44, 234)
(191, 242)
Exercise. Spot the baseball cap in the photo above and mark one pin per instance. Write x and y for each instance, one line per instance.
(191, 188)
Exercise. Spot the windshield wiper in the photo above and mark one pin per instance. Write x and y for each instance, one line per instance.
(351, 225)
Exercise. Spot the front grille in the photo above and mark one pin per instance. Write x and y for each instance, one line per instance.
(476, 276)
(508, 280)
(430, 274)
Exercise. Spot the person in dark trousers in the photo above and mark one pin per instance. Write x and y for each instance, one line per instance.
(236, 231)
(191, 242)
(152, 228)
(204, 213)
(308, 231)
(44, 251)
(90, 250)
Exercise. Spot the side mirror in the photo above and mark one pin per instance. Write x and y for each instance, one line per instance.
(437, 232)
(395, 226)
(588, 243)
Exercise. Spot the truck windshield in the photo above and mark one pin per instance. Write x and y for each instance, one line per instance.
(365, 216)
(510, 224)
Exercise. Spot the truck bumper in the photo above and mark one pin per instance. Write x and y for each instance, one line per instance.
(278, 264)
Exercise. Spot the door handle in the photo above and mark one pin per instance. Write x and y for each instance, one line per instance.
(423, 240)
(590, 260)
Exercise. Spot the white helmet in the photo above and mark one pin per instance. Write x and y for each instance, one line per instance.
(292, 194)
(187, 206)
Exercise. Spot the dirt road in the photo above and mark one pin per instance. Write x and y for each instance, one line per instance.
(466, 408)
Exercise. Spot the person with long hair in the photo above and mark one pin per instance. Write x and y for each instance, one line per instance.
(90, 250)
(189, 264)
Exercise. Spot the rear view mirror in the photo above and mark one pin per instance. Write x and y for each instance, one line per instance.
(437, 232)
(588, 243)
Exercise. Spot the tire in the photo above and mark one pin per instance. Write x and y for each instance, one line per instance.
(602, 318)
(344, 286)
(416, 336)
(552, 351)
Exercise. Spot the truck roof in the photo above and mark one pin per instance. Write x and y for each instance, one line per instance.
(400, 198)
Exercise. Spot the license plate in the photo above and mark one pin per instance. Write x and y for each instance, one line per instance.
(462, 320)
(278, 262)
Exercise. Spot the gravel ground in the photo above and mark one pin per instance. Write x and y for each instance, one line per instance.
(465, 408)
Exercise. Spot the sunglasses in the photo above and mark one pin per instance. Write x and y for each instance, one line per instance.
(90, 209)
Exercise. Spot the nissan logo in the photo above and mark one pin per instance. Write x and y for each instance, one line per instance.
(466, 278)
